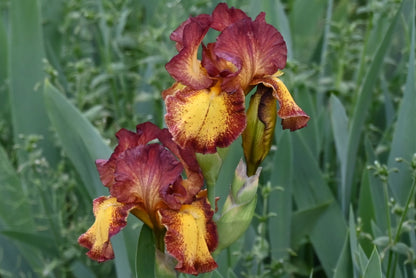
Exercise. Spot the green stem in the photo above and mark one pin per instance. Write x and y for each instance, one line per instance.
(399, 228)
(402, 218)
(386, 200)
(406, 208)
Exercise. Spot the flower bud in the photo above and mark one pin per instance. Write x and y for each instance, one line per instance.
(261, 122)
(239, 207)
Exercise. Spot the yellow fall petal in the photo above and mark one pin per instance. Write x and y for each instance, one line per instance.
(205, 119)
(191, 236)
(110, 218)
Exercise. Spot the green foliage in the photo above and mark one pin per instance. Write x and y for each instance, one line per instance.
(335, 199)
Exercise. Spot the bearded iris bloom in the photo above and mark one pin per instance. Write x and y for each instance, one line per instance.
(145, 178)
(206, 105)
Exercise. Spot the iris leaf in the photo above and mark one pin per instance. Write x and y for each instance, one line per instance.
(361, 107)
(26, 76)
(145, 256)
(404, 143)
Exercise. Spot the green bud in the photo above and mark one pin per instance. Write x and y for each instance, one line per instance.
(239, 207)
(210, 165)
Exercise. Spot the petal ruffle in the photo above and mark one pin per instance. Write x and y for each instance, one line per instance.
(254, 47)
(205, 119)
(222, 16)
(110, 218)
(178, 35)
(185, 66)
(292, 115)
(191, 236)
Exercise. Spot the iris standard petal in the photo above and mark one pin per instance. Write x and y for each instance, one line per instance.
(185, 67)
(254, 47)
(222, 16)
(191, 236)
(178, 35)
(110, 218)
(205, 119)
(145, 132)
(142, 175)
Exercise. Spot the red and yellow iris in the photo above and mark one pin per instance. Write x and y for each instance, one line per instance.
(161, 182)
(145, 178)
(206, 105)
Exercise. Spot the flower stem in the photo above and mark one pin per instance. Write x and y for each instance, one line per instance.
(399, 228)
(386, 200)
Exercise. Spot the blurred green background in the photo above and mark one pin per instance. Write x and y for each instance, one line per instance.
(334, 200)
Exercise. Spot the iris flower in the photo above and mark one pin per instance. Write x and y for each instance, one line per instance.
(206, 104)
(144, 178)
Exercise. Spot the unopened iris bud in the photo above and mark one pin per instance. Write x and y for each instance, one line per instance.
(261, 122)
(239, 207)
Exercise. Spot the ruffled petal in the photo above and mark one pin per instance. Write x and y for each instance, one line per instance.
(178, 35)
(110, 218)
(185, 66)
(143, 175)
(254, 47)
(292, 115)
(205, 119)
(126, 140)
(191, 237)
(222, 16)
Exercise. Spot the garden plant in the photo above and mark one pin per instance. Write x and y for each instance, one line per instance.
(170, 138)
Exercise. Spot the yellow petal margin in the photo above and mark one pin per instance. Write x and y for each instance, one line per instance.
(205, 119)
(110, 218)
(191, 237)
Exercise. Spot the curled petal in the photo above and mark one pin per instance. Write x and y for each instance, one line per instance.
(191, 236)
(292, 115)
(216, 66)
(178, 34)
(185, 66)
(110, 218)
(222, 16)
(205, 119)
(254, 47)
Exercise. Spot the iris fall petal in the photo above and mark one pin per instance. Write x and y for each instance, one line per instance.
(191, 236)
(110, 218)
(205, 119)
